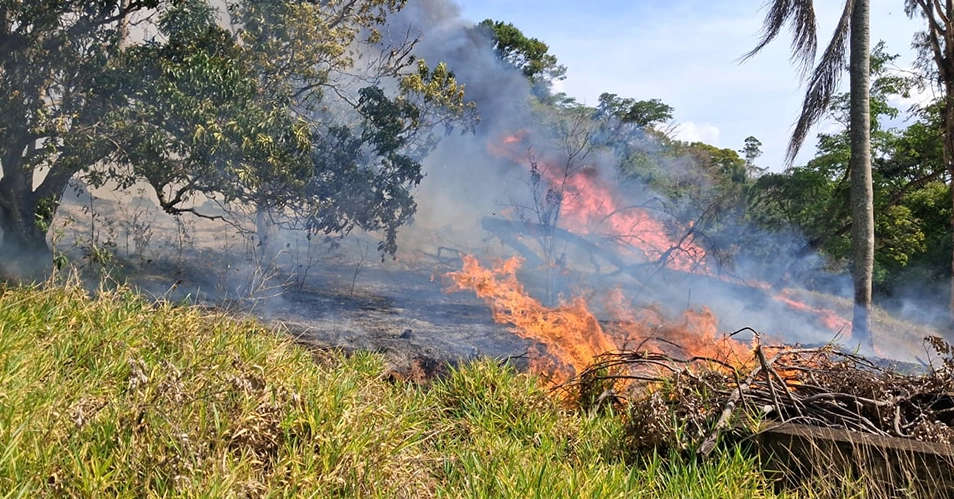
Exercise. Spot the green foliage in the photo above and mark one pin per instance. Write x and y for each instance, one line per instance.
(722, 163)
(52, 65)
(529, 55)
(245, 113)
(814, 198)
(751, 151)
(644, 113)
(194, 123)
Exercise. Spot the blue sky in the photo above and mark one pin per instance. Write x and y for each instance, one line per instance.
(686, 53)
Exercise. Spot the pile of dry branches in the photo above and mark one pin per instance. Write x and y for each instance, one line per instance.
(688, 402)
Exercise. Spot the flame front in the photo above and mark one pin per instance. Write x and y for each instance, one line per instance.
(591, 205)
(571, 333)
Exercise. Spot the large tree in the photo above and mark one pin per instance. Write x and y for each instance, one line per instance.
(53, 57)
(260, 105)
(851, 39)
(937, 46)
(529, 55)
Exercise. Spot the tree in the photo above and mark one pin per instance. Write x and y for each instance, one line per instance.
(937, 45)
(529, 55)
(752, 150)
(851, 37)
(814, 198)
(52, 56)
(267, 111)
(643, 114)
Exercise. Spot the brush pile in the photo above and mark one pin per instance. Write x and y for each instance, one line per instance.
(687, 402)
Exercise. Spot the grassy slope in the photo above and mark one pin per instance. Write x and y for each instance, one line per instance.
(110, 396)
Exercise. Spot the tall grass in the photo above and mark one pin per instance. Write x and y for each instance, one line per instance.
(112, 396)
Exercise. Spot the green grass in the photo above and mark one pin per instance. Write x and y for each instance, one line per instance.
(112, 396)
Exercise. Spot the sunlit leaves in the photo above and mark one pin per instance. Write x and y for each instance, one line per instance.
(275, 105)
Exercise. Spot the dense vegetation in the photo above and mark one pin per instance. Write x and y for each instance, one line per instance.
(747, 213)
(261, 106)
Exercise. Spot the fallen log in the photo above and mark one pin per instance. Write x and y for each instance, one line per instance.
(506, 230)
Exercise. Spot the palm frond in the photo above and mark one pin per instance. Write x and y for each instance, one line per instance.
(801, 15)
(823, 83)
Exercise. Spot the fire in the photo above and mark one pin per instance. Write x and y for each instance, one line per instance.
(830, 319)
(590, 202)
(590, 205)
(571, 334)
(570, 331)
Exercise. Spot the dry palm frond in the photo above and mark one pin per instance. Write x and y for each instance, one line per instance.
(824, 78)
(801, 14)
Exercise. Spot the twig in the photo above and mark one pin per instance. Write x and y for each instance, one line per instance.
(768, 378)
(709, 443)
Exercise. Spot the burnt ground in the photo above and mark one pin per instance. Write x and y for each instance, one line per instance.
(405, 315)
(350, 300)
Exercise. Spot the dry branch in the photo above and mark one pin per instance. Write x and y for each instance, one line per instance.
(815, 386)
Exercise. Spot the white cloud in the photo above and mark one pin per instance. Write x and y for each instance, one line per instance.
(698, 132)
(918, 98)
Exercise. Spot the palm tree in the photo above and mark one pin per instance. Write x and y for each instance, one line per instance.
(851, 38)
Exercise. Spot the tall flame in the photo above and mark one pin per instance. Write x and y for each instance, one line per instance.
(571, 334)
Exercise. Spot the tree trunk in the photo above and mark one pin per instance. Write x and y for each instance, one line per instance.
(862, 192)
(23, 246)
(945, 64)
(949, 164)
(125, 13)
(24, 253)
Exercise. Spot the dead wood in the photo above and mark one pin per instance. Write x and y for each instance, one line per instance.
(507, 230)
(814, 386)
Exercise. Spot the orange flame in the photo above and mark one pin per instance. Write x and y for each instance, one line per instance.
(590, 202)
(830, 319)
(590, 205)
(571, 333)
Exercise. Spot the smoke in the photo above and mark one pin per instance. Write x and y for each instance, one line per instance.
(785, 294)
(482, 175)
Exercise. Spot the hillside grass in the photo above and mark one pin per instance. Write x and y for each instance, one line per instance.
(108, 395)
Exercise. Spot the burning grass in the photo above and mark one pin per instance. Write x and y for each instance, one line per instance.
(112, 396)
(570, 337)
